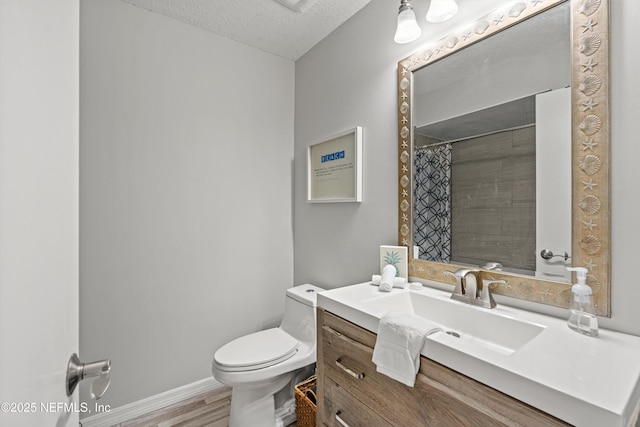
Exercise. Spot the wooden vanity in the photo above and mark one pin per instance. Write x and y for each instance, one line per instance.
(351, 392)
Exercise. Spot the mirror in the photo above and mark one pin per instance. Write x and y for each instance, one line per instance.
(483, 209)
(500, 142)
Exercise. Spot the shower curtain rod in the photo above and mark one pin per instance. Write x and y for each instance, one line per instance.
(435, 144)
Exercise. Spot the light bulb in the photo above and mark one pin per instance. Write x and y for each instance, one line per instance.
(408, 29)
(441, 10)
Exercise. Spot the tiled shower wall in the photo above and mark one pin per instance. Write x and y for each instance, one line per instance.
(493, 186)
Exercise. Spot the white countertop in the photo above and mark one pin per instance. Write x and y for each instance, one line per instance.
(582, 380)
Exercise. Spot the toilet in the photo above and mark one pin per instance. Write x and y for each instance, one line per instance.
(262, 368)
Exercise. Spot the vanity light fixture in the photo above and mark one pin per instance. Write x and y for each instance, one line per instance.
(441, 10)
(408, 29)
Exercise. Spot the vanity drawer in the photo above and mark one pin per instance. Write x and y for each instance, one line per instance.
(341, 404)
(349, 364)
(440, 397)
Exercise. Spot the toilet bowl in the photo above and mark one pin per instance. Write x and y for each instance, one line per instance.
(263, 367)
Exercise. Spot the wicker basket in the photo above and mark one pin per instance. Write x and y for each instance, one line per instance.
(305, 408)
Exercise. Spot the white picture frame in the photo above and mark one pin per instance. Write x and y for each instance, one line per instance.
(398, 256)
(334, 168)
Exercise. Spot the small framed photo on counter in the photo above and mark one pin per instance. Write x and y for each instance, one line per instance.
(396, 256)
(334, 168)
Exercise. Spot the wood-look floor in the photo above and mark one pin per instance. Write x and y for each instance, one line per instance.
(209, 409)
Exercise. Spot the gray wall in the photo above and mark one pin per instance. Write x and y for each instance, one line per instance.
(349, 79)
(493, 199)
(186, 237)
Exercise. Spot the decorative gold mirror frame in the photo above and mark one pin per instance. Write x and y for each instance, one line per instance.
(590, 150)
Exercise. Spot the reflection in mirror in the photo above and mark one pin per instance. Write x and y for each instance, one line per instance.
(475, 183)
(492, 158)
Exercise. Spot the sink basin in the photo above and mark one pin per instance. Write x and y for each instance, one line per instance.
(464, 325)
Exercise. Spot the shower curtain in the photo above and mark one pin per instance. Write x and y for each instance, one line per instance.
(432, 202)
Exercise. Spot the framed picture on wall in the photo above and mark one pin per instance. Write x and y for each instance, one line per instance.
(334, 168)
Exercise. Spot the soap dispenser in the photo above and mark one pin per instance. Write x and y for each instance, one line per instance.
(582, 317)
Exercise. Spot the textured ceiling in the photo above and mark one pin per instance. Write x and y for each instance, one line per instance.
(270, 25)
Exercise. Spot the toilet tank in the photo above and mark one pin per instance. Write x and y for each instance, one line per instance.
(299, 319)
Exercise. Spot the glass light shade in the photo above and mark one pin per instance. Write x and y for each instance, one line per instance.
(441, 10)
(408, 29)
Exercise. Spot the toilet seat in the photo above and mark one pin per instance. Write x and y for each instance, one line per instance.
(255, 351)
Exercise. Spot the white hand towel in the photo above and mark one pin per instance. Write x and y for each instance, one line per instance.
(388, 274)
(398, 282)
(401, 336)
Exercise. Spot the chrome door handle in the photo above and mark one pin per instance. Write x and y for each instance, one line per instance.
(78, 371)
(547, 255)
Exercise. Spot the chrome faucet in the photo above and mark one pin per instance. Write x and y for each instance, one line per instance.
(468, 291)
(460, 276)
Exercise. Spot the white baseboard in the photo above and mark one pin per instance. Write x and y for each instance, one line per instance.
(150, 404)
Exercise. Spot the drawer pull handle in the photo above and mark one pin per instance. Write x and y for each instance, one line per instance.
(340, 420)
(355, 375)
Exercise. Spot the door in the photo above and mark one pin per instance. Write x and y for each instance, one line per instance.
(553, 183)
(39, 88)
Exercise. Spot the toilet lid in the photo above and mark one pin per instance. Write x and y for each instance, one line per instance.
(257, 350)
